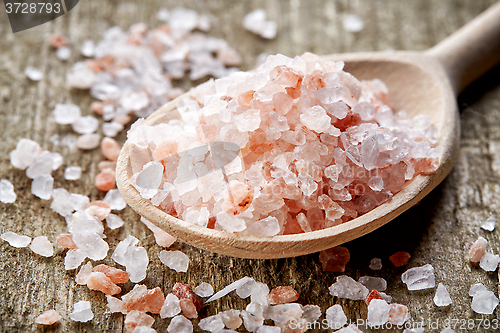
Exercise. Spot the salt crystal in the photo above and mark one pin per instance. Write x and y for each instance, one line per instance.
(136, 262)
(82, 222)
(231, 318)
(268, 329)
(80, 76)
(115, 200)
(179, 324)
(143, 329)
(489, 262)
(336, 317)
(442, 297)
(211, 324)
(119, 254)
(7, 194)
(81, 312)
(73, 259)
(33, 73)
(346, 287)
(170, 307)
(251, 322)
(375, 264)
(248, 120)
(83, 274)
(204, 290)
(353, 23)
(489, 223)
(88, 141)
(419, 278)
(259, 293)
(283, 313)
(105, 180)
(63, 53)
(15, 240)
(162, 238)
(282, 295)
(400, 258)
(48, 318)
(484, 302)
(72, 173)
(110, 149)
(378, 312)
(25, 153)
(65, 114)
(372, 283)
(414, 330)
(233, 286)
(149, 179)
(114, 304)
(255, 22)
(477, 250)
(42, 186)
(476, 288)
(352, 328)
(91, 244)
(398, 314)
(44, 164)
(85, 125)
(111, 129)
(87, 48)
(316, 119)
(135, 319)
(41, 245)
(230, 222)
(99, 281)
(114, 221)
(175, 260)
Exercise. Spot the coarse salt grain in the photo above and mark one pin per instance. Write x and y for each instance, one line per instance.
(72, 173)
(204, 290)
(346, 287)
(33, 73)
(16, 240)
(375, 264)
(7, 194)
(489, 224)
(65, 114)
(442, 297)
(41, 186)
(175, 260)
(419, 278)
(353, 23)
(489, 262)
(477, 250)
(49, 317)
(42, 246)
(336, 317)
(81, 312)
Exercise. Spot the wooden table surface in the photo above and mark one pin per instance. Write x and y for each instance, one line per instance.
(438, 231)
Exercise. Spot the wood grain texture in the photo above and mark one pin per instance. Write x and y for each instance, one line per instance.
(437, 231)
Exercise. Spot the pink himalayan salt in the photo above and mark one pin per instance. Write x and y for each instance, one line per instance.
(374, 294)
(477, 250)
(99, 209)
(105, 180)
(282, 295)
(239, 197)
(400, 258)
(110, 148)
(398, 314)
(334, 259)
(116, 275)
(58, 41)
(48, 318)
(96, 107)
(184, 291)
(83, 274)
(142, 299)
(137, 318)
(106, 165)
(99, 281)
(188, 308)
(66, 240)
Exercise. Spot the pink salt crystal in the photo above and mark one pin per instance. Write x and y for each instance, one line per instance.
(114, 304)
(282, 295)
(83, 274)
(110, 148)
(57, 41)
(188, 308)
(374, 294)
(142, 299)
(332, 209)
(334, 259)
(137, 318)
(49, 317)
(162, 238)
(105, 180)
(99, 281)
(96, 107)
(66, 240)
(106, 165)
(477, 250)
(116, 275)
(99, 209)
(285, 76)
(184, 291)
(400, 258)
(398, 314)
(239, 198)
(229, 57)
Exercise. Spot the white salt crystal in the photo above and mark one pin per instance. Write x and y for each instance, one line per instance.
(336, 317)
(233, 286)
(476, 288)
(163, 15)
(80, 76)
(212, 324)
(352, 328)
(25, 153)
(372, 283)
(250, 321)
(489, 224)
(63, 53)
(119, 254)
(447, 330)
(78, 201)
(41, 245)
(33, 73)
(136, 259)
(81, 312)
(268, 329)
(316, 119)
(87, 48)
(484, 302)
(230, 222)
(114, 304)
(414, 330)
(114, 221)
(248, 121)
(7, 194)
(143, 329)
(83, 274)
(179, 324)
(244, 290)
(85, 125)
(16, 240)
(44, 164)
(83, 222)
(61, 203)
(419, 278)
(311, 313)
(72, 173)
(378, 312)
(268, 226)
(65, 114)
(175, 260)
(91, 244)
(149, 179)
(489, 262)
(115, 200)
(42, 186)
(353, 23)
(259, 292)
(73, 259)
(283, 313)
(375, 264)
(170, 307)
(204, 290)
(111, 129)
(346, 287)
(88, 141)
(442, 297)
(255, 22)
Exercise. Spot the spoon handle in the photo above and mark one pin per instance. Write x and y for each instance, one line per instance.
(472, 50)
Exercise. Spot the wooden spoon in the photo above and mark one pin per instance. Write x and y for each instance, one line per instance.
(419, 82)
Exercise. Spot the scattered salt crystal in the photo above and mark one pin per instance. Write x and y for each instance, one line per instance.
(44, 164)
(114, 304)
(15, 240)
(7, 194)
(311, 313)
(419, 278)
(283, 313)
(336, 317)
(100, 282)
(111, 129)
(91, 244)
(398, 314)
(179, 324)
(170, 307)
(73, 259)
(259, 293)
(136, 318)
(115, 200)
(42, 186)
(88, 141)
(211, 324)
(484, 302)
(149, 179)
(48, 318)
(136, 262)
(231, 318)
(114, 221)
(33, 73)
(489, 224)
(233, 286)
(375, 264)
(83, 274)
(87, 48)
(346, 287)
(442, 297)
(352, 328)
(25, 153)
(316, 119)
(372, 283)
(489, 262)
(400, 258)
(282, 295)
(63, 53)
(119, 254)
(204, 290)
(476, 288)
(143, 329)
(85, 125)
(72, 173)
(175, 260)
(162, 238)
(81, 312)
(110, 148)
(41, 245)
(255, 22)
(477, 250)
(65, 114)
(378, 312)
(353, 23)
(250, 321)
(268, 329)
(80, 76)
(82, 222)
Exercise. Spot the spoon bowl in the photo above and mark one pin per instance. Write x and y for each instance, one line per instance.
(418, 82)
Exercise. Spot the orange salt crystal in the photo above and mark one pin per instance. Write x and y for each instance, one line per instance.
(110, 148)
(164, 149)
(398, 314)
(246, 97)
(106, 165)
(96, 107)
(400, 258)
(239, 198)
(116, 275)
(352, 119)
(477, 250)
(137, 318)
(282, 295)
(142, 299)
(184, 291)
(99, 281)
(49, 317)
(105, 180)
(188, 308)
(374, 294)
(99, 209)
(334, 259)
(66, 240)
(57, 41)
